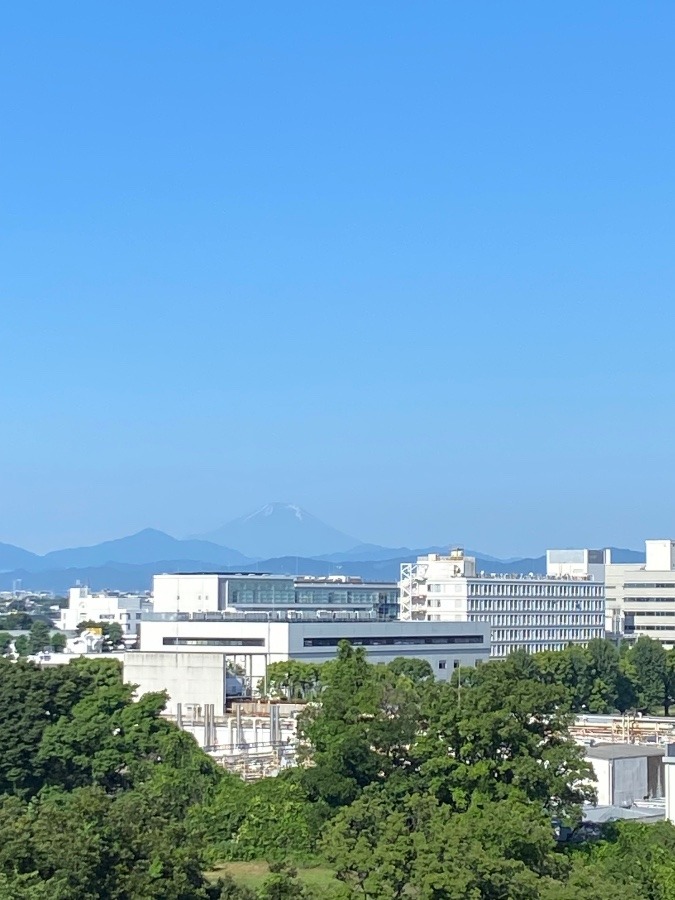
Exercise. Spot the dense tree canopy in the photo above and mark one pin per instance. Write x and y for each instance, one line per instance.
(407, 788)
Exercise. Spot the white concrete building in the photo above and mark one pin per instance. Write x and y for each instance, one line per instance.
(641, 596)
(105, 606)
(280, 595)
(248, 644)
(530, 612)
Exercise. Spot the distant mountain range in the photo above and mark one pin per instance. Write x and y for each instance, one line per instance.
(279, 539)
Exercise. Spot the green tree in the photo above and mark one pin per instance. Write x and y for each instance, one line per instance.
(22, 645)
(417, 670)
(370, 845)
(611, 689)
(5, 643)
(292, 679)
(16, 621)
(58, 642)
(87, 845)
(360, 732)
(38, 639)
(492, 851)
(115, 634)
(571, 668)
(107, 740)
(506, 734)
(282, 884)
(649, 661)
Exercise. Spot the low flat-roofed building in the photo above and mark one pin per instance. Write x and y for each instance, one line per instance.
(251, 642)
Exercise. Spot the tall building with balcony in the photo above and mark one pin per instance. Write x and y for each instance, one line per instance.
(529, 612)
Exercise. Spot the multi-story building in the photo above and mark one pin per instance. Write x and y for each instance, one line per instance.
(105, 606)
(280, 595)
(249, 642)
(641, 596)
(530, 612)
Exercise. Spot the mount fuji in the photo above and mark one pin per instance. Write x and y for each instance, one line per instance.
(281, 529)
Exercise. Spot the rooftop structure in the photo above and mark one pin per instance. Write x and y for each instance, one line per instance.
(281, 595)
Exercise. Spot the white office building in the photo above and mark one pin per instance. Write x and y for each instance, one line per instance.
(641, 596)
(282, 596)
(529, 612)
(105, 606)
(249, 643)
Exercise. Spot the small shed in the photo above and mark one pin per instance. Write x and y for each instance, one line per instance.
(627, 773)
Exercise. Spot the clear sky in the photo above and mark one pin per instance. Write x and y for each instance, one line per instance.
(409, 265)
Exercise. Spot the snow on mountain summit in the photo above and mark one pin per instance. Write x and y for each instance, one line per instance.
(281, 529)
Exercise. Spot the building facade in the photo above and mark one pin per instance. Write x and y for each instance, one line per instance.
(528, 612)
(280, 595)
(105, 606)
(641, 596)
(250, 642)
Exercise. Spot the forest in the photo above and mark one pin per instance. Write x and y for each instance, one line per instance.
(407, 788)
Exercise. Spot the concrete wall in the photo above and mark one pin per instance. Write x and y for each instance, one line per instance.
(190, 679)
(603, 774)
(187, 593)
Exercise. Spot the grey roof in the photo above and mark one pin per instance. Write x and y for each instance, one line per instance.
(600, 814)
(624, 751)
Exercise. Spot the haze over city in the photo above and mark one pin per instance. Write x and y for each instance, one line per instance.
(409, 269)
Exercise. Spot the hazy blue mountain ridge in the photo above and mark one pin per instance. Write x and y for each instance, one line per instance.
(279, 538)
(12, 557)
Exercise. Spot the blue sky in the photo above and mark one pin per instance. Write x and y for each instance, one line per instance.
(409, 265)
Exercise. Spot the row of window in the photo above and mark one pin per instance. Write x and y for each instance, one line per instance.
(536, 607)
(653, 584)
(538, 634)
(649, 599)
(506, 649)
(525, 589)
(394, 641)
(650, 613)
(561, 621)
(212, 642)
(630, 629)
